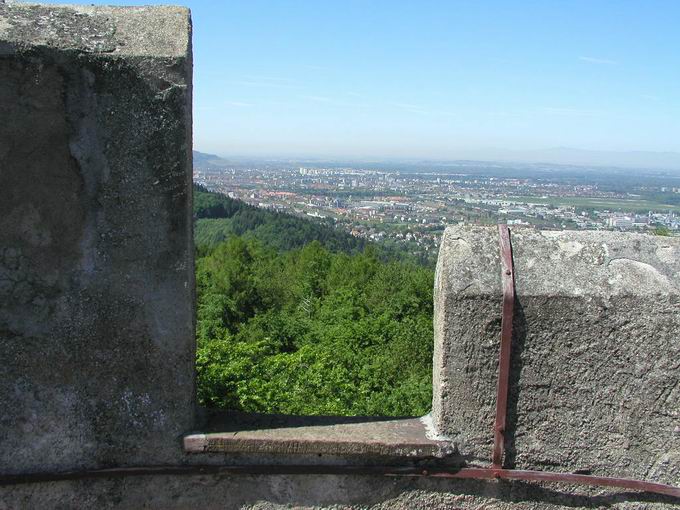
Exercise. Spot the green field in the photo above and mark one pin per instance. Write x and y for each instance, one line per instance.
(600, 203)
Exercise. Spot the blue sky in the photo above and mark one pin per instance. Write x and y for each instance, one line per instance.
(434, 79)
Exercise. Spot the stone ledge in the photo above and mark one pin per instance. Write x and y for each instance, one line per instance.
(373, 437)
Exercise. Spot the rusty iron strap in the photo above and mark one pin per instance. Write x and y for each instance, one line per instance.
(372, 470)
(571, 478)
(508, 280)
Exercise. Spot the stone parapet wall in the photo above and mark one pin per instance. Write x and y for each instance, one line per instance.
(97, 319)
(96, 251)
(595, 357)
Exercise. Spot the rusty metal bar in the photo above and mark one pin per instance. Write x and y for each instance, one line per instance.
(311, 469)
(571, 478)
(508, 281)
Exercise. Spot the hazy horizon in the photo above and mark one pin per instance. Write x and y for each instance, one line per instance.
(556, 156)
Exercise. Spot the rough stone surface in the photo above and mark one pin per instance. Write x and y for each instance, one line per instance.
(154, 32)
(96, 269)
(596, 350)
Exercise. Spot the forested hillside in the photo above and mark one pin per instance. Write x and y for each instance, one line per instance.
(219, 217)
(296, 317)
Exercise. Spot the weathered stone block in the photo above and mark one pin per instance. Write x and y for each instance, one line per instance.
(595, 358)
(96, 269)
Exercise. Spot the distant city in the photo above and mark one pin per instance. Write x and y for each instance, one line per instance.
(412, 204)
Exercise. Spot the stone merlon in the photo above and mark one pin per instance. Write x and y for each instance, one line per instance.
(596, 350)
(96, 249)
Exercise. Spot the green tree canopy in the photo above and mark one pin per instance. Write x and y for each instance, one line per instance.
(310, 331)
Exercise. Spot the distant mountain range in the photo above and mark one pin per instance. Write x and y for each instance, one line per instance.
(557, 156)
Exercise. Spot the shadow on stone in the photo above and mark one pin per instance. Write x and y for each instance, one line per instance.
(234, 421)
(519, 336)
